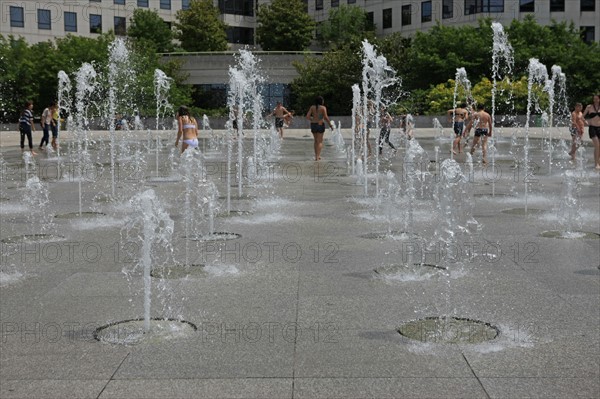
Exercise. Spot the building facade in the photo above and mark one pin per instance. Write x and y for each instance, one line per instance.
(45, 20)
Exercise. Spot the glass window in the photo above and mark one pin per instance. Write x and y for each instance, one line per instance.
(526, 5)
(165, 4)
(185, 4)
(318, 4)
(95, 23)
(17, 17)
(351, 1)
(406, 15)
(142, 3)
(447, 9)
(120, 26)
(588, 5)
(122, 2)
(237, 7)
(557, 5)
(387, 18)
(70, 21)
(44, 19)
(588, 34)
(335, 3)
(240, 35)
(493, 6)
(426, 11)
(370, 19)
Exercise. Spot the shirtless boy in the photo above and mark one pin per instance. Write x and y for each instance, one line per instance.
(482, 122)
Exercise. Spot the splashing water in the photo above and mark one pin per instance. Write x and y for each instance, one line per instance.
(151, 225)
(162, 85)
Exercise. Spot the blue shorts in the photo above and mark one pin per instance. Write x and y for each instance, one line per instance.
(481, 132)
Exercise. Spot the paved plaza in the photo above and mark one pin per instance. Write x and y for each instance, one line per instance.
(308, 300)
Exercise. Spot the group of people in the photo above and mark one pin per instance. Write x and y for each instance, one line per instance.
(48, 123)
(464, 120)
(591, 117)
(463, 117)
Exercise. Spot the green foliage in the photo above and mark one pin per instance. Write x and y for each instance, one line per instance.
(558, 44)
(17, 68)
(443, 49)
(332, 77)
(346, 24)
(31, 73)
(200, 29)
(148, 27)
(283, 25)
(511, 97)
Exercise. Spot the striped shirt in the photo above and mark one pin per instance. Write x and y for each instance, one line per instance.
(26, 117)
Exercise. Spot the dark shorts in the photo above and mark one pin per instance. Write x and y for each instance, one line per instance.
(278, 122)
(481, 132)
(594, 131)
(234, 124)
(573, 131)
(458, 128)
(316, 128)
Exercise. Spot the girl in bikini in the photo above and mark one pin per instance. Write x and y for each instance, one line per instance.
(188, 127)
(317, 115)
(592, 118)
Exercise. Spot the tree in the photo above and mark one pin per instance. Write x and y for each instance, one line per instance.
(345, 24)
(148, 27)
(284, 25)
(332, 77)
(200, 29)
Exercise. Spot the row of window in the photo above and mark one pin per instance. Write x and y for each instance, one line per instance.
(482, 6)
(472, 7)
(44, 18)
(164, 4)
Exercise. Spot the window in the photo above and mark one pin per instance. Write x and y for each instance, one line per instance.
(480, 6)
(95, 23)
(185, 4)
(142, 3)
(370, 19)
(165, 4)
(387, 18)
(426, 11)
(44, 19)
(240, 35)
(351, 1)
(526, 5)
(406, 15)
(120, 26)
(318, 4)
(237, 7)
(588, 5)
(588, 34)
(122, 2)
(557, 5)
(17, 18)
(335, 3)
(447, 9)
(70, 21)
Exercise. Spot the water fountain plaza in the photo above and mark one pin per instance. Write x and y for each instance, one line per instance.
(293, 307)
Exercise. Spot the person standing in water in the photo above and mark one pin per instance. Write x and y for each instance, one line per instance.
(317, 115)
(482, 121)
(386, 126)
(281, 115)
(460, 116)
(576, 129)
(188, 128)
(26, 126)
(592, 118)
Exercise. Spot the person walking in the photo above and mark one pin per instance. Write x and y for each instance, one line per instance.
(576, 129)
(26, 126)
(482, 121)
(592, 118)
(188, 128)
(317, 115)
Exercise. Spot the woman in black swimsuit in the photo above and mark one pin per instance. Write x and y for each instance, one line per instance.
(592, 118)
(317, 115)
